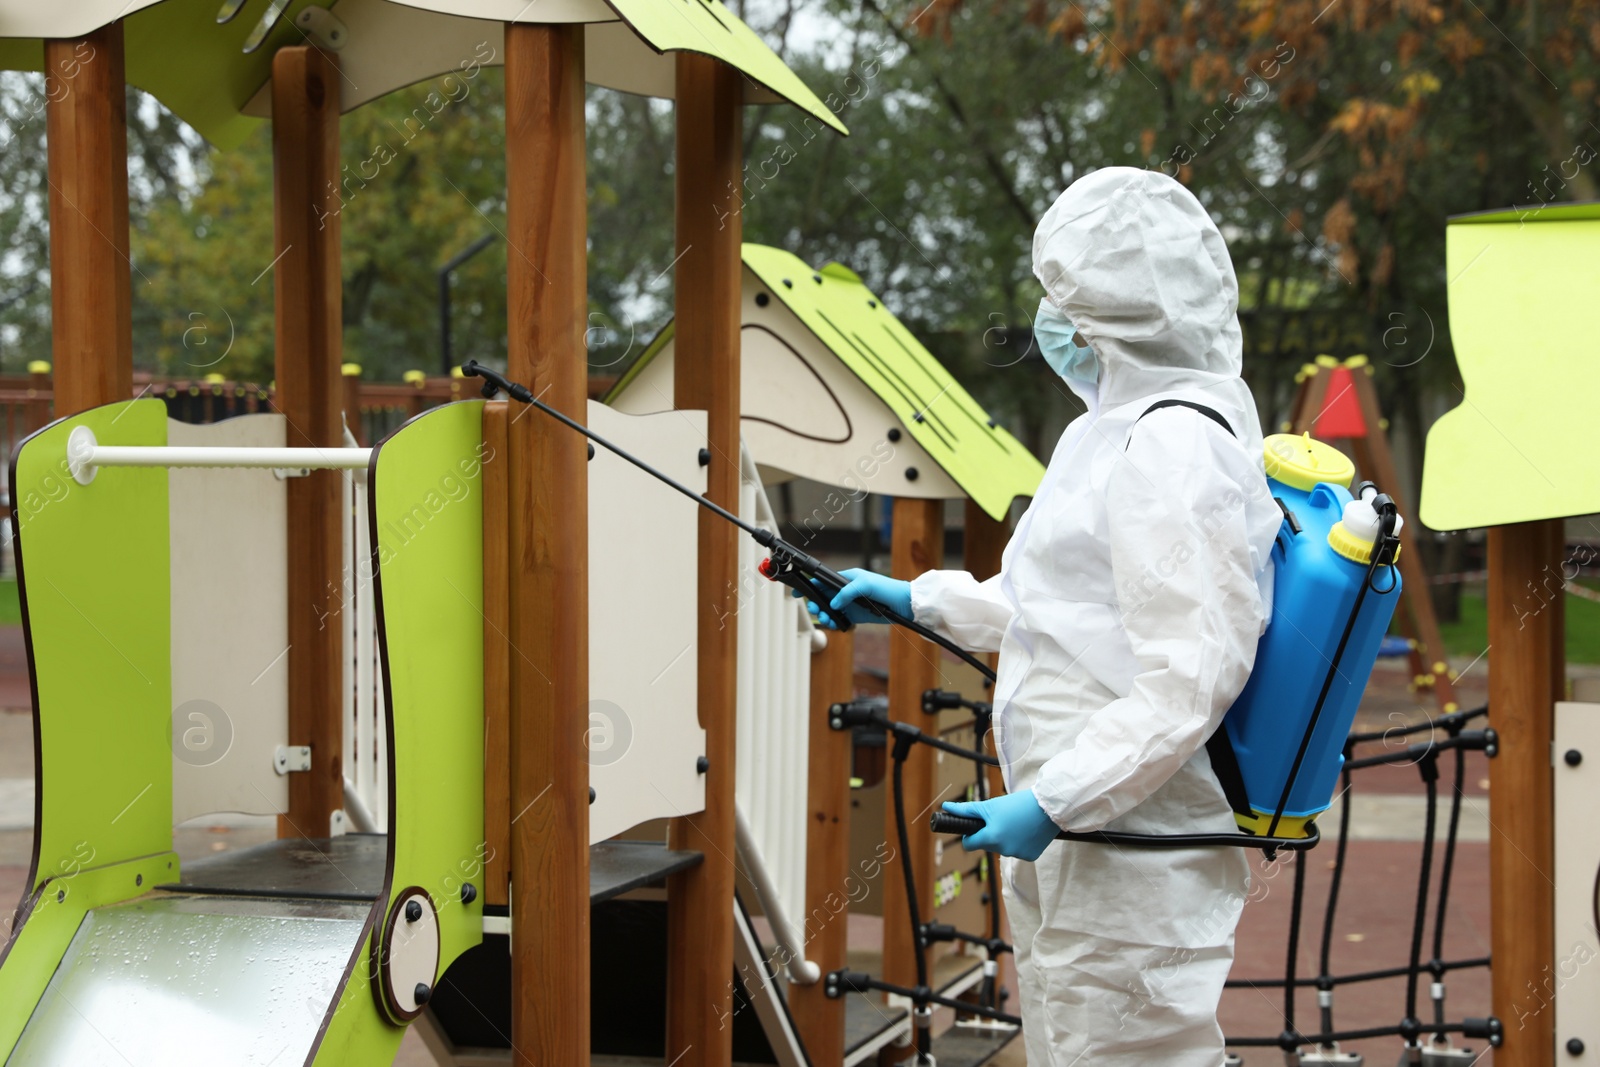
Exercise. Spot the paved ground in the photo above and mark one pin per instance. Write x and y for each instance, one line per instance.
(1373, 928)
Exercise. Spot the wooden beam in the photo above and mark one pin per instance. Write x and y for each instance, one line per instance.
(547, 298)
(826, 918)
(308, 339)
(496, 487)
(917, 545)
(1526, 677)
(706, 377)
(86, 132)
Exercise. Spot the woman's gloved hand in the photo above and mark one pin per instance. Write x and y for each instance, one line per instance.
(1014, 825)
(892, 593)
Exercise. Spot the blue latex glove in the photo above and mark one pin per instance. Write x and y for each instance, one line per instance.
(1014, 825)
(892, 593)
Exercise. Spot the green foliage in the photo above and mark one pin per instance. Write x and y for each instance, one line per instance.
(1468, 635)
(423, 174)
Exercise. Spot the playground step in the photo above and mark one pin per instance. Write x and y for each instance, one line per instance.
(350, 867)
(869, 1026)
(618, 867)
(964, 1047)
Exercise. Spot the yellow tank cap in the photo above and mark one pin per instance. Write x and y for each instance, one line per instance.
(1301, 462)
(1290, 826)
(1351, 546)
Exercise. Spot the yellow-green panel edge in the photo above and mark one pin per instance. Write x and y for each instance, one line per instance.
(709, 28)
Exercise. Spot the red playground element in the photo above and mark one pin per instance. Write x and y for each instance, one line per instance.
(1341, 416)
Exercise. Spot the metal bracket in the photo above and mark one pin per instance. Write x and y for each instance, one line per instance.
(285, 473)
(324, 29)
(286, 759)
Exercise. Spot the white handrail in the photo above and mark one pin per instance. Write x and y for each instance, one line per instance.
(85, 455)
(801, 970)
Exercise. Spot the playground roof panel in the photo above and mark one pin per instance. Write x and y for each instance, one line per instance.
(177, 51)
(1523, 322)
(989, 464)
(985, 461)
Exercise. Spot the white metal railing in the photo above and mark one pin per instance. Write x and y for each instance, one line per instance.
(366, 733)
(776, 641)
(85, 455)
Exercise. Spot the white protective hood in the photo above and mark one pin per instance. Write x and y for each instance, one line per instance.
(1137, 264)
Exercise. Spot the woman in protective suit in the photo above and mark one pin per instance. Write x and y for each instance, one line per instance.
(1126, 614)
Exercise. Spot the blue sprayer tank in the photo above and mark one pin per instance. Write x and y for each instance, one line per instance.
(1322, 558)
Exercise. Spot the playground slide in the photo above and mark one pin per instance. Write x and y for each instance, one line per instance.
(317, 950)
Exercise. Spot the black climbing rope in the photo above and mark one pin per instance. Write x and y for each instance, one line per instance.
(1424, 755)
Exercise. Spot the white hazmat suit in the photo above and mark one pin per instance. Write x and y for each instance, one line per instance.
(1126, 615)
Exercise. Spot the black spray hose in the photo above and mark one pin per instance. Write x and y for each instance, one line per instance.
(1446, 869)
(1336, 881)
(989, 994)
(790, 565)
(933, 702)
(1290, 1038)
(1411, 1025)
(902, 750)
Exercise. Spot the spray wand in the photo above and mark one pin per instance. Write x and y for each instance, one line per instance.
(785, 563)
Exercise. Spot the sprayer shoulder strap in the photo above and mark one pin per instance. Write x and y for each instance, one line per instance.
(1173, 402)
(1224, 761)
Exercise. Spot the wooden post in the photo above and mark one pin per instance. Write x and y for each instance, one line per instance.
(826, 920)
(700, 900)
(983, 544)
(309, 337)
(350, 401)
(86, 131)
(37, 412)
(917, 545)
(546, 298)
(496, 658)
(1526, 678)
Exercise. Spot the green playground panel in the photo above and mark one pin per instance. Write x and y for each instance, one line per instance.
(1524, 323)
(93, 569)
(990, 465)
(426, 501)
(216, 78)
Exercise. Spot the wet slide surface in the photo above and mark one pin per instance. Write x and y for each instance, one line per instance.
(185, 979)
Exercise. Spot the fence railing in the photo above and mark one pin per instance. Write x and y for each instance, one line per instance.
(776, 641)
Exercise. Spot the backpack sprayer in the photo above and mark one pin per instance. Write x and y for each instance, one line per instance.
(792, 566)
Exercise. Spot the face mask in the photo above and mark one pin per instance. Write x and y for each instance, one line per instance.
(1063, 347)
